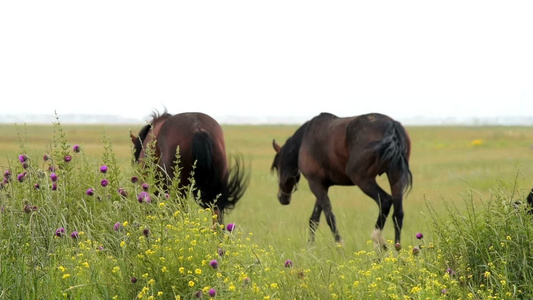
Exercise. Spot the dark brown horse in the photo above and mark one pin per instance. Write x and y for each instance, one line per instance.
(329, 151)
(200, 140)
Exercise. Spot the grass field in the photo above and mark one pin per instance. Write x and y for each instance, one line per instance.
(447, 163)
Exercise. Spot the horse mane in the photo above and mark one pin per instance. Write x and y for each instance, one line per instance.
(291, 148)
(156, 117)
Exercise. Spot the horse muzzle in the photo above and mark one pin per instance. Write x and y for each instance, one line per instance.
(284, 199)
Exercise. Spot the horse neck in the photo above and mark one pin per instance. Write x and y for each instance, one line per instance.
(153, 133)
(291, 150)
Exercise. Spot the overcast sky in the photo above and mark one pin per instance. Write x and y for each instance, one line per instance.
(267, 58)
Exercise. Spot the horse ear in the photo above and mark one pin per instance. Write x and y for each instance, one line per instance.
(276, 146)
(133, 138)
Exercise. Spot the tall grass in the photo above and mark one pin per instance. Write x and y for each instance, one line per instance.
(96, 235)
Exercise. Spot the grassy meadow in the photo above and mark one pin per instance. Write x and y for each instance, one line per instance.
(463, 177)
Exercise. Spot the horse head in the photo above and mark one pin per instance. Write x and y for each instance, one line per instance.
(288, 173)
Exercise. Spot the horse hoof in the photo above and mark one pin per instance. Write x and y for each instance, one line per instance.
(398, 246)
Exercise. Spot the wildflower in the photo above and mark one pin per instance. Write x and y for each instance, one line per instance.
(198, 271)
(60, 231)
(191, 283)
(89, 192)
(450, 271)
(145, 186)
(104, 182)
(46, 157)
(29, 208)
(24, 165)
(288, 263)
(444, 291)
(51, 168)
(134, 179)
(133, 280)
(212, 293)
(230, 227)
(65, 276)
(246, 281)
(67, 158)
(214, 264)
(103, 169)
(144, 196)
(22, 158)
(36, 186)
(74, 235)
(117, 226)
(198, 294)
(53, 177)
(123, 192)
(221, 252)
(54, 186)
(7, 174)
(20, 177)
(416, 250)
(76, 148)
(419, 236)
(146, 232)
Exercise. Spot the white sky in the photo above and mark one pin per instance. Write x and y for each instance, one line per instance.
(267, 58)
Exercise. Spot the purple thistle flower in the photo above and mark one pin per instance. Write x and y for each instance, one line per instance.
(146, 232)
(167, 196)
(144, 196)
(288, 263)
(123, 192)
(7, 174)
(89, 192)
(450, 271)
(46, 157)
(22, 158)
(419, 236)
(104, 182)
(221, 252)
(76, 148)
(53, 177)
(54, 186)
(24, 165)
(230, 227)
(145, 186)
(51, 168)
(67, 158)
(134, 179)
(5, 181)
(212, 293)
(74, 235)
(416, 250)
(36, 186)
(214, 264)
(117, 226)
(103, 169)
(198, 294)
(60, 231)
(20, 177)
(444, 291)
(246, 281)
(133, 280)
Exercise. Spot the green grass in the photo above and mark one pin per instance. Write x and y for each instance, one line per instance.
(462, 177)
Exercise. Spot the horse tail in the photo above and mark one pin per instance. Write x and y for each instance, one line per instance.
(204, 175)
(238, 181)
(393, 153)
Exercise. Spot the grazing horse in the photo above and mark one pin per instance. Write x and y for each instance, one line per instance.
(201, 141)
(329, 151)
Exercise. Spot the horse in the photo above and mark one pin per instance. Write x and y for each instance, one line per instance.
(329, 151)
(201, 149)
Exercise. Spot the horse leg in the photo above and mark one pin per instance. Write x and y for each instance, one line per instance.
(322, 200)
(397, 216)
(384, 201)
(314, 221)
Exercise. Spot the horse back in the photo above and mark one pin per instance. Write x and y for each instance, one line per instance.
(323, 152)
(179, 131)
